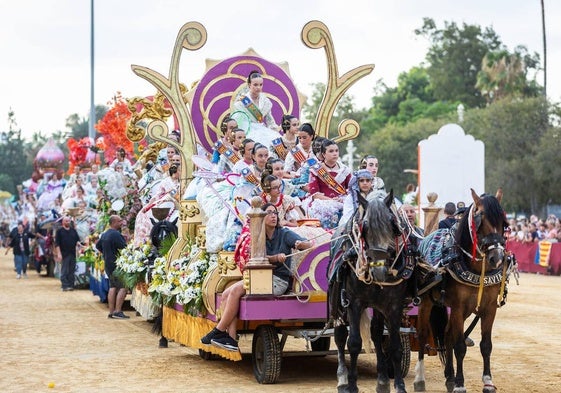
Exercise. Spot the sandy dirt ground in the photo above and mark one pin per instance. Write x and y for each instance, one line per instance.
(65, 338)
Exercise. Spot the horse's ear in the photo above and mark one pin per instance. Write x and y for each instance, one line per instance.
(152, 221)
(475, 197)
(388, 200)
(499, 195)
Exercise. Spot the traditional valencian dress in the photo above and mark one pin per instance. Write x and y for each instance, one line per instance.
(328, 211)
(255, 118)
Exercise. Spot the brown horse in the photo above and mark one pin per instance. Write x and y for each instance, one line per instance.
(476, 273)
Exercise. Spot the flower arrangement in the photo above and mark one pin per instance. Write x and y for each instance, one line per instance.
(132, 264)
(90, 255)
(182, 282)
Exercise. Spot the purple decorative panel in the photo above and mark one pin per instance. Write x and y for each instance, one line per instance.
(218, 88)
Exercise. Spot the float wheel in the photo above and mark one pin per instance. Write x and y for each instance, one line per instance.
(266, 355)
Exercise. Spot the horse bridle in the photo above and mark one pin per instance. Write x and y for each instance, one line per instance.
(379, 257)
(485, 244)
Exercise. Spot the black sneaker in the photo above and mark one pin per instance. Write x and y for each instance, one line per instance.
(110, 315)
(119, 315)
(214, 333)
(225, 342)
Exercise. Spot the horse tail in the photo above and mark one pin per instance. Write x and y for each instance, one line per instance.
(365, 334)
(438, 321)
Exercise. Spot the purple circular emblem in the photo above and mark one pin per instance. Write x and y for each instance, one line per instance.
(218, 88)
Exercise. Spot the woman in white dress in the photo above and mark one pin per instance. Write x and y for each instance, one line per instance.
(252, 112)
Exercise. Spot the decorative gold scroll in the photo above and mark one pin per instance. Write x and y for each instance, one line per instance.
(192, 36)
(316, 35)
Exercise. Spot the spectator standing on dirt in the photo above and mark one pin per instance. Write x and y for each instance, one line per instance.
(110, 244)
(19, 243)
(66, 240)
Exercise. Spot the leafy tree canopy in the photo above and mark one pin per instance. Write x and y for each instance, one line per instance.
(454, 59)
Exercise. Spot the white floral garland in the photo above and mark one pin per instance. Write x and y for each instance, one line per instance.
(182, 282)
(133, 259)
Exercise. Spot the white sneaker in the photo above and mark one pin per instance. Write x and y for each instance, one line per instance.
(18, 276)
(24, 275)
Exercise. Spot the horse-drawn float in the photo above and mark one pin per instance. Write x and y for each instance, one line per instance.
(329, 294)
(303, 312)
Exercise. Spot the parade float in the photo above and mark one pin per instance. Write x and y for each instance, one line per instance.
(188, 281)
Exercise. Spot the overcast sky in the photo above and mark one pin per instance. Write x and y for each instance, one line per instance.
(45, 44)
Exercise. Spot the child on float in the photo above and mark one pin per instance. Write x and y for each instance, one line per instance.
(325, 202)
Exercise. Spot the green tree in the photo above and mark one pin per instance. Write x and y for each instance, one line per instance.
(505, 74)
(411, 100)
(78, 125)
(454, 59)
(13, 160)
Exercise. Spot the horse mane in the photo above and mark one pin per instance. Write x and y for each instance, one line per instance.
(494, 213)
(378, 221)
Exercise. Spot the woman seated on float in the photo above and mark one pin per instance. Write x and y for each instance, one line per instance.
(226, 164)
(252, 110)
(288, 214)
(227, 127)
(283, 144)
(328, 185)
(246, 150)
(164, 194)
(370, 163)
(275, 167)
(360, 190)
(279, 244)
(295, 165)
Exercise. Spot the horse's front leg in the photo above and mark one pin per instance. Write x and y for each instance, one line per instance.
(486, 347)
(395, 349)
(377, 333)
(423, 329)
(354, 344)
(455, 339)
(341, 334)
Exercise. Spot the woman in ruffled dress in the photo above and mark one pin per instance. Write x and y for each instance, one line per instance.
(328, 192)
(289, 139)
(297, 172)
(252, 111)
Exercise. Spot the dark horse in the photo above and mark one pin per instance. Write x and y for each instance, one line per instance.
(368, 269)
(160, 230)
(477, 271)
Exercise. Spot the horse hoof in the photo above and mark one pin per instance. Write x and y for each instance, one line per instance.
(450, 386)
(460, 390)
(419, 386)
(383, 387)
(163, 343)
(489, 389)
(343, 389)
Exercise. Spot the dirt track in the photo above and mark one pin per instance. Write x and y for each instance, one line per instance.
(66, 338)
